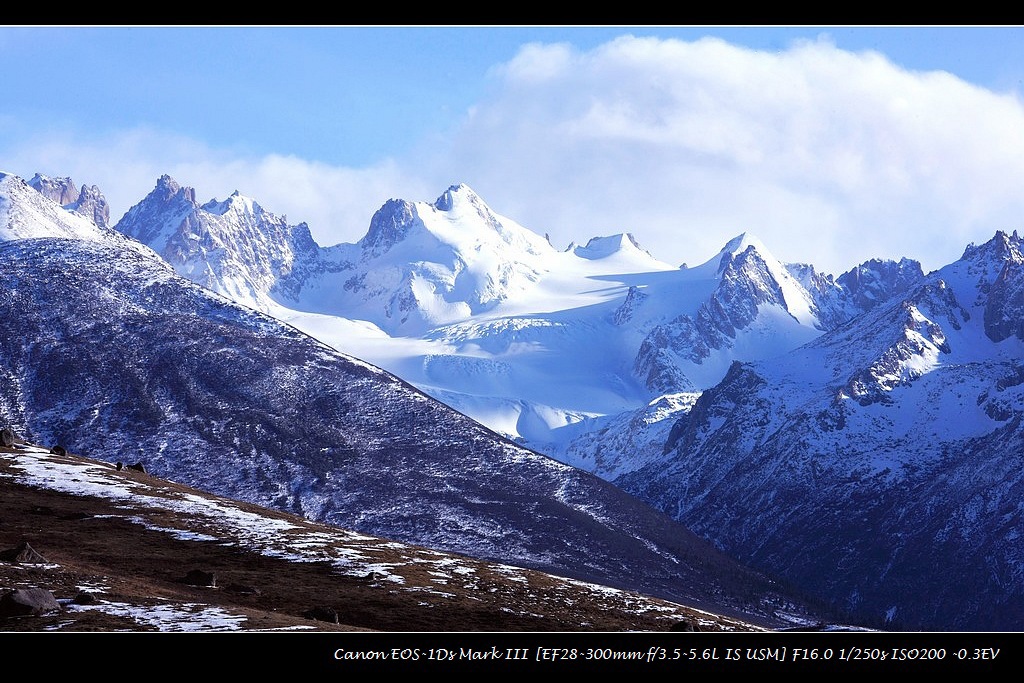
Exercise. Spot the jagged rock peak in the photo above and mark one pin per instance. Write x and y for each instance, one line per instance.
(389, 224)
(88, 202)
(1001, 247)
(93, 205)
(877, 280)
(742, 242)
(61, 190)
(167, 188)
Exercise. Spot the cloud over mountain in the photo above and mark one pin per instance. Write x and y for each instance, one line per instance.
(684, 144)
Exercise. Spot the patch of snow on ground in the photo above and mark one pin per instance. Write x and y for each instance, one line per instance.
(172, 616)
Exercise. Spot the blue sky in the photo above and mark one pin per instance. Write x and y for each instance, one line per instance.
(831, 144)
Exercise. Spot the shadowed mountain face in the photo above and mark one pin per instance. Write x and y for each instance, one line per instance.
(110, 353)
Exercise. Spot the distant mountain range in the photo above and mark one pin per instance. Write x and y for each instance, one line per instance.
(857, 435)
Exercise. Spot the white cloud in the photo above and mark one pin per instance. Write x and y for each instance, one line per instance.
(828, 156)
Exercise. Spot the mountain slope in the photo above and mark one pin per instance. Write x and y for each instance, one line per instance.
(116, 549)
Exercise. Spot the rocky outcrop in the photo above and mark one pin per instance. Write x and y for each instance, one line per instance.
(23, 553)
(388, 226)
(93, 205)
(1004, 309)
(60, 190)
(877, 281)
(25, 602)
(88, 202)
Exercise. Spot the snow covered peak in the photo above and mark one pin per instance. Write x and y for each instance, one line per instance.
(423, 264)
(989, 279)
(460, 193)
(740, 242)
(158, 217)
(739, 245)
(475, 223)
(745, 259)
(599, 247)
(741, 304)
(388, 226)
(459, 223)
(167, 188)
(461, 202)
(986, 275)
(236, 203)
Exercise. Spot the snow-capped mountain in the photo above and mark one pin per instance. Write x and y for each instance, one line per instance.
(542, 345)
(438, 292)
(421, 265)
(232, 247)
(743, 303)
(109, 352)
(418, 266)
(878, 464)
(747, 305)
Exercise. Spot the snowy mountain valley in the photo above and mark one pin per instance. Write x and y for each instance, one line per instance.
(857, 436)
